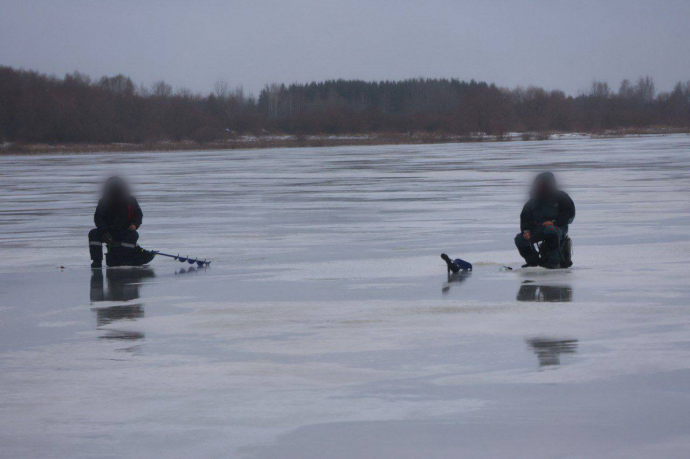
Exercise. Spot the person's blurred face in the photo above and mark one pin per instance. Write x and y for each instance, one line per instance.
(542, 189)
(116, 191)
(117, 195)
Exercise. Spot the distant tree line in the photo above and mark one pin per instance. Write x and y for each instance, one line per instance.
(35, 107)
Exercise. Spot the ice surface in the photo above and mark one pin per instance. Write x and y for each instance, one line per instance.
(327, 327)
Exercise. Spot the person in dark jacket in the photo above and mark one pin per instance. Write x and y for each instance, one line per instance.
(545, 217)
(117, 218)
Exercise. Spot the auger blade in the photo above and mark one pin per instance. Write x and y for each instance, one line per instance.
(191, 261)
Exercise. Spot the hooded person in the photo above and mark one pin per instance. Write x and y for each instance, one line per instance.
(544, 218)
(117, 218)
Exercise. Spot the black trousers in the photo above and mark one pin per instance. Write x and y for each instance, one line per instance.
(96, 241)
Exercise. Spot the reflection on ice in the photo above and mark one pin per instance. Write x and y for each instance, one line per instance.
(544, 293)
(549, 351)
(122, 335)
(123, 284)
(105, 316)
(190, 270)
(455, 278)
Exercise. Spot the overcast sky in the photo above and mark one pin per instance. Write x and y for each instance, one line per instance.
(554, 44)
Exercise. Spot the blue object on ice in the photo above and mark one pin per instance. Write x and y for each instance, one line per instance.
(456, 265)
(463, 265)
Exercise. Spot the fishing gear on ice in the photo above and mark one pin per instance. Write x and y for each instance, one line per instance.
(457, 265)
(125, 254)
(191, 261)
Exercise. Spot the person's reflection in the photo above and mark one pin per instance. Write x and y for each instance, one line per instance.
(455, 279)
(120, 285)
(549, 351)
(532, 292)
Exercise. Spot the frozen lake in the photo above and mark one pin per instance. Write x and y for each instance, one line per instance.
(327, 327)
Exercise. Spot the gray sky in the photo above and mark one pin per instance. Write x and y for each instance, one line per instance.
(554, 44)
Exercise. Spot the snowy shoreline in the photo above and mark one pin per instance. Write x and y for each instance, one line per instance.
(245, 142)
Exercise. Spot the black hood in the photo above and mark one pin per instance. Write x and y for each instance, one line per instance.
(544, 185)
(115, 189)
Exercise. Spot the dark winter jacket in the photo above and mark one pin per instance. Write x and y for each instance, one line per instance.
(558, 208)
(116, 218)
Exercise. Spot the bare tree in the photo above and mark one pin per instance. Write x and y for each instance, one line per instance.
(119, 84)
(221, 89)
(626, 90)
(274, 95)
(600, 89)
(238, 95)
(161, 89)
(185, 93)
(143, 91)
(78, 78)
(645, 89)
